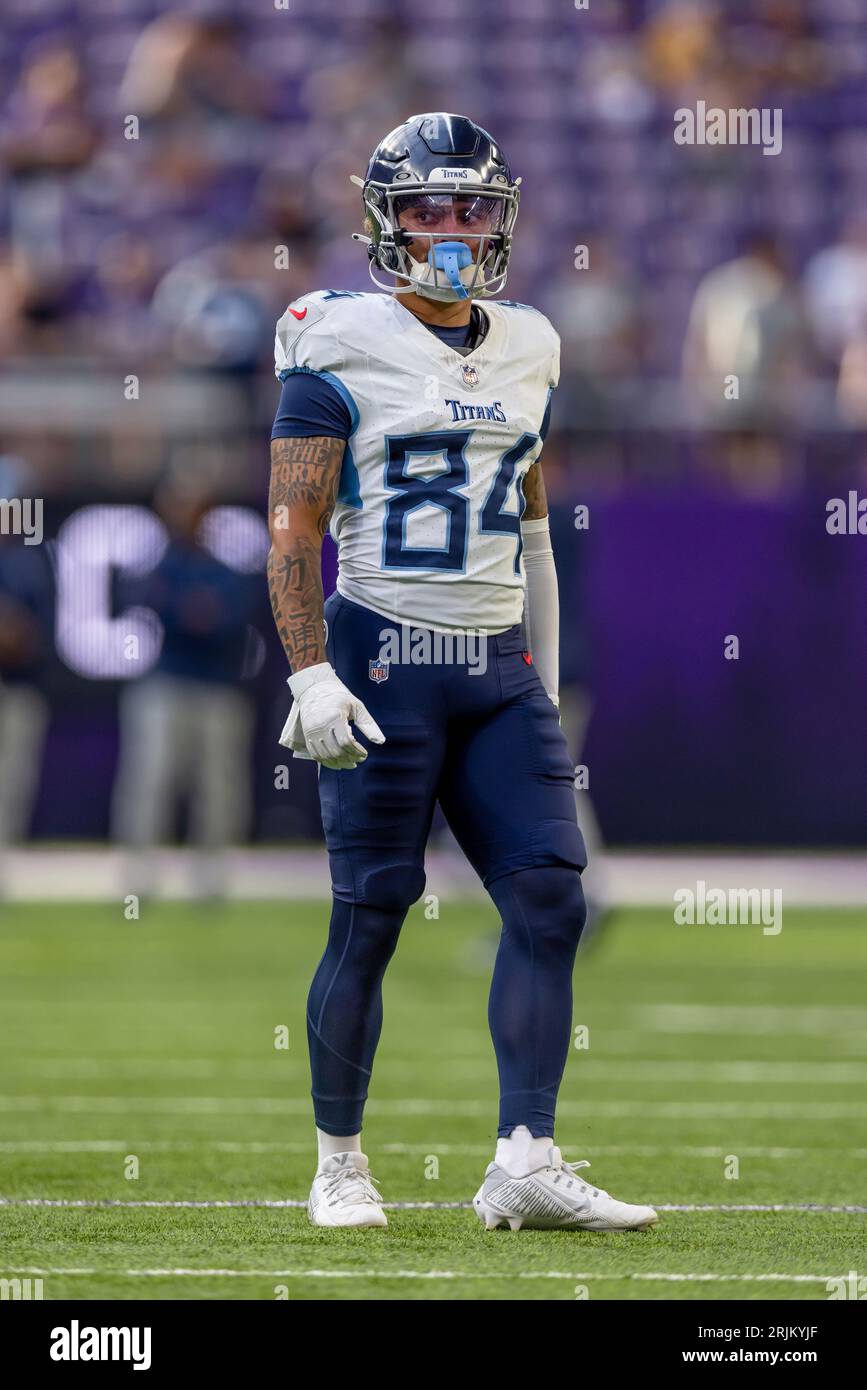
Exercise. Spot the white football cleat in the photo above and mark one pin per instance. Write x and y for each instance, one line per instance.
(343, 1194)
(552, 1197)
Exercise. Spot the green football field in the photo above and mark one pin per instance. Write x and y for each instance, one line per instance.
(142, 1092)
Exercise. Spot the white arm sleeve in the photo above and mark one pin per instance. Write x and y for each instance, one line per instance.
(542, 604)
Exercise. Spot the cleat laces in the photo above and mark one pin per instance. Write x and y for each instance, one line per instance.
(351, 1185)
(562, 1168)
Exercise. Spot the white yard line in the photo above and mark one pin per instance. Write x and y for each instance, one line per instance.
(184, 1273)
(295, 1203)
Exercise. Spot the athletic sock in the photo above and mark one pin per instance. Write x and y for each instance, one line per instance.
(331, 1144)
(520, 1153)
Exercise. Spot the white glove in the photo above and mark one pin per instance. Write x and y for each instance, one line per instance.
(318, 724)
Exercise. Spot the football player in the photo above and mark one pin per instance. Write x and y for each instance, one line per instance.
(410, 424)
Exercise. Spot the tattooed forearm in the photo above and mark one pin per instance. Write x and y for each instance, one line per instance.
(304, 479)
(534, 492)
(295, 587)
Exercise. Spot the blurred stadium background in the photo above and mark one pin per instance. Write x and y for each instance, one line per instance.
(140, 279)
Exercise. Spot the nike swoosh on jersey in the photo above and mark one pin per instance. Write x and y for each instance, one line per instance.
(298, 314)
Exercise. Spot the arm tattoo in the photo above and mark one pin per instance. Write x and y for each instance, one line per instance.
(304, 479)
(534, 493)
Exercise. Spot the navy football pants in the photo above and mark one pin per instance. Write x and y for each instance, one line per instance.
(489, 748)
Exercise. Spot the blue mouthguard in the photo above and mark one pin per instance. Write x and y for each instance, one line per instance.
(452, 257)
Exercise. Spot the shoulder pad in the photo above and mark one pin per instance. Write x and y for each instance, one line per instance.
(300, 316)
(304, 336)
(538, 334)
(310, 332)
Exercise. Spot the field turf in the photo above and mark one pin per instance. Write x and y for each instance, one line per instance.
(725, 1069)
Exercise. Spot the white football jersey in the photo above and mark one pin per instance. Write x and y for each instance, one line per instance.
(427, 521)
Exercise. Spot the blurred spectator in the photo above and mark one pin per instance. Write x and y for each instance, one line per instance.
(215, 308)
(187, 727)
(47, 138)
(343, 94)
(26, 623)
(780, 42)
(746, 322)
(684, 50)
(596, 311)
(194, 71)
(694, 49)
(835, 288)
(119, 312)
(47, 126)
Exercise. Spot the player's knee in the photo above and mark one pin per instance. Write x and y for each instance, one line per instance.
(575, 904)
(562, 910)
(546, 905)
(393, 888)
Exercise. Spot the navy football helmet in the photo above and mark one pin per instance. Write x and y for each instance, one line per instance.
(439, 187)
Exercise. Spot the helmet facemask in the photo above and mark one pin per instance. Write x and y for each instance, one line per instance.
(443, 242)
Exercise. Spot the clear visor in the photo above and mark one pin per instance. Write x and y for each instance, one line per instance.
(447, 214)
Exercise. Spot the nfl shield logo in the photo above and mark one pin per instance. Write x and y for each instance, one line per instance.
(469, 374)
(378, 670)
